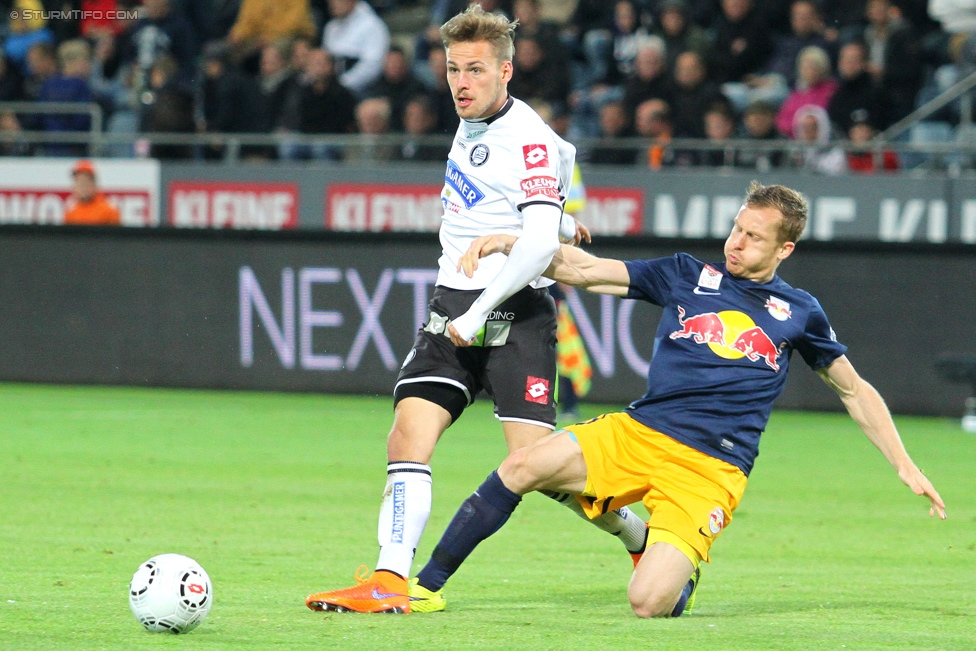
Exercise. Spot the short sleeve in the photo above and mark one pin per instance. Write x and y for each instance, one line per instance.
(652, 280)
(819, 346)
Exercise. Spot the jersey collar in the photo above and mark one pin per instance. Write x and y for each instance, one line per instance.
(506, 107)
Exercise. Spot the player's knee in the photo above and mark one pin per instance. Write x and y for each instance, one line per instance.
(647, 603)
(517, 472)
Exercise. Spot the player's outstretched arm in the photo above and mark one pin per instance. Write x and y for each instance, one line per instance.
(569, 265)
(869, 411)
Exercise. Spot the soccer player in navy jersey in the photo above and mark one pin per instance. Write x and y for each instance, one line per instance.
(686, 447)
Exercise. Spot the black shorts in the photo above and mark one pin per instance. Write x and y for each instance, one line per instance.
(516, 365)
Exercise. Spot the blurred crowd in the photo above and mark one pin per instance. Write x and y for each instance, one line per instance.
(818, 72)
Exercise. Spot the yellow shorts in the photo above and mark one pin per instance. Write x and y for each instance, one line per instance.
(689, 494)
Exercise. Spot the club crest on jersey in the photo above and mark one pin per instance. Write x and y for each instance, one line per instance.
(537, 390)
(544, 186)
(469, 192)
(479, 155)
(716, 520)
(535, 156)
(778, 308)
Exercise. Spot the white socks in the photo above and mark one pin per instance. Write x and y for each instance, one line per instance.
(622, 522)
(403, 515)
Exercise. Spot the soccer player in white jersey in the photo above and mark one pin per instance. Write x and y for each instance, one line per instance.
(507, 172)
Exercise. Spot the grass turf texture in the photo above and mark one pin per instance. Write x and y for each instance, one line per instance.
(276, 495)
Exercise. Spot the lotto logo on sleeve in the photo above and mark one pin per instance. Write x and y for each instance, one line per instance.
(537, 390)
(541, 186)
(535, 156)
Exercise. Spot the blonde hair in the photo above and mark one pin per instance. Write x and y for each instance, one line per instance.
(77, 49)
(476, 25)
(788, 202)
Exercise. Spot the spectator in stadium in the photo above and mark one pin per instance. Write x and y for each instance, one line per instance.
(811, 127)
(589, 32)
(779, 75)
(262, 22)
(11, 81)
(232, 101)
(420, 121)
(10, 126)
(868, 161)
(534, 79)
(70, 84)
(650, 79)
(373, 116)
(23, 33)
(167, 107)
(894, 57)
(545, 32)
(300, 49)
(627, 35)
(814, 86)
(42, 64)
(161, 30)
(615, 123)
(277, 79)
(741, 43)
(320, 105)
(856, 90)
(653, 120)
(87, 206)
(440, 92)
(807, 29)
(759, 123)
(691, 441)
(679, 32)
(692, 94)
(719, 128)
(357, 40)
(397, 84)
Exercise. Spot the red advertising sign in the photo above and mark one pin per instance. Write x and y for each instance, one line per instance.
(383, 207)
(613, 211)
(227, 204)
(369, 207)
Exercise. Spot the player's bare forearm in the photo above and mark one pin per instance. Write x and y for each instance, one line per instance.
(482, 247)
(576, 267)
(869, 411)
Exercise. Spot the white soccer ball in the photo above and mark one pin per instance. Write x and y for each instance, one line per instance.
(170, 592)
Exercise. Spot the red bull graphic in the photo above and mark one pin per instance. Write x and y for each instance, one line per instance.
(729, 334)
(704, 328)
(755, 344)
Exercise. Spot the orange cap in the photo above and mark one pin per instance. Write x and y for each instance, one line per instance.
(83, 166)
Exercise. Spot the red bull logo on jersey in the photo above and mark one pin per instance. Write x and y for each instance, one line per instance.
(468, 191)
(729, 334)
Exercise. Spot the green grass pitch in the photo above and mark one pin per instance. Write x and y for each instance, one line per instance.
(276, 495)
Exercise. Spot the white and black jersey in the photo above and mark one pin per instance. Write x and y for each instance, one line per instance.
(496, 167)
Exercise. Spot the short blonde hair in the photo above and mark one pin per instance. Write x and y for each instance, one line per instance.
(788, 202)
(476, 25)
(77, 49)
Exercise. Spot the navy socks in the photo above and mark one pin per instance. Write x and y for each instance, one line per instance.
(479, 516)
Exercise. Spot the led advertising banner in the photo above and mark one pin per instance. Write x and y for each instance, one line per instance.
(338, 313)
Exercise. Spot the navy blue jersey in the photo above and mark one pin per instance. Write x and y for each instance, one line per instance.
(721, 352)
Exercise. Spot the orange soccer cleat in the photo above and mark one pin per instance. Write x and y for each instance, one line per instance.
(379, 592)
